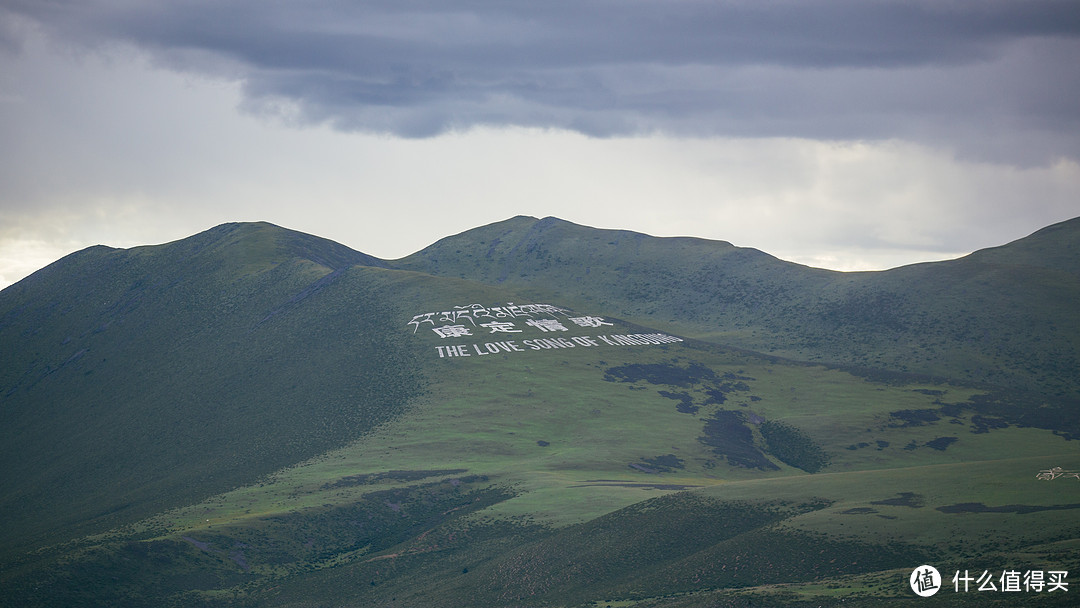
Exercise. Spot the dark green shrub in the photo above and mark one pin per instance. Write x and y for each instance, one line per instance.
(793, 447)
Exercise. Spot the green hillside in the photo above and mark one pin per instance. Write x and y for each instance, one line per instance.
(1003, 316)
(142, 379)
(529, 414)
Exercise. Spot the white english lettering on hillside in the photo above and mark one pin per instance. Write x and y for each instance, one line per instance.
(478, 331)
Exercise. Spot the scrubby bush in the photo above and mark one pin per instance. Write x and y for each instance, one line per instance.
(793, 447)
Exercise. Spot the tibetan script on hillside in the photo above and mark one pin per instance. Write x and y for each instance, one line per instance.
(518, 328)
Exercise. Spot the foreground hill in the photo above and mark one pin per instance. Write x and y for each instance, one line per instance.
(136, 380)
(533, 413)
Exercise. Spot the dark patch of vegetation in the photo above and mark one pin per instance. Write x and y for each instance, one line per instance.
(718, 393)
(903, 499)
(726, 432)
(983, 424)
(1001, 409)
(858, 511)
(716, 396)
(716, 387)
(978, 507)
(665, 463)
(941, 443)
(915, 417)
(1025, 410)
(686, 401)
(793, 447)
(543, 443)
(734, 385)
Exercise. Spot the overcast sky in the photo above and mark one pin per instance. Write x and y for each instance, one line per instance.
(861, 134)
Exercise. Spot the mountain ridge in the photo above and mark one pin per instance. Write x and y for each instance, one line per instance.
(335, 255)
(912, 318)
(918, 318)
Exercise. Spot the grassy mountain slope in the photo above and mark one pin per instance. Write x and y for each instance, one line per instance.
(262, 418)
(1004, 316)
(141, 379)
(576, 475)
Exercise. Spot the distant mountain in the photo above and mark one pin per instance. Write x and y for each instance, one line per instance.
(1004, 316)
(532, 413)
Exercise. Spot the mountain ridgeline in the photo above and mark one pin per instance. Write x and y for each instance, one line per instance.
(1005, 316)
(195, 364)
(254, 416)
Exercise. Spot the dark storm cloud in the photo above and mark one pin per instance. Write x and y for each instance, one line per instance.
(838, 69)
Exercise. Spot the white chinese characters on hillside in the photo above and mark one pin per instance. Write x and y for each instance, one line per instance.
(506, 325)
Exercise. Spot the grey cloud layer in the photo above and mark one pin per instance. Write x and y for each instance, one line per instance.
(983, 76)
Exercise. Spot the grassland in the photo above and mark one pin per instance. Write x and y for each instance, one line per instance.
(531, 454)
(349, 463)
